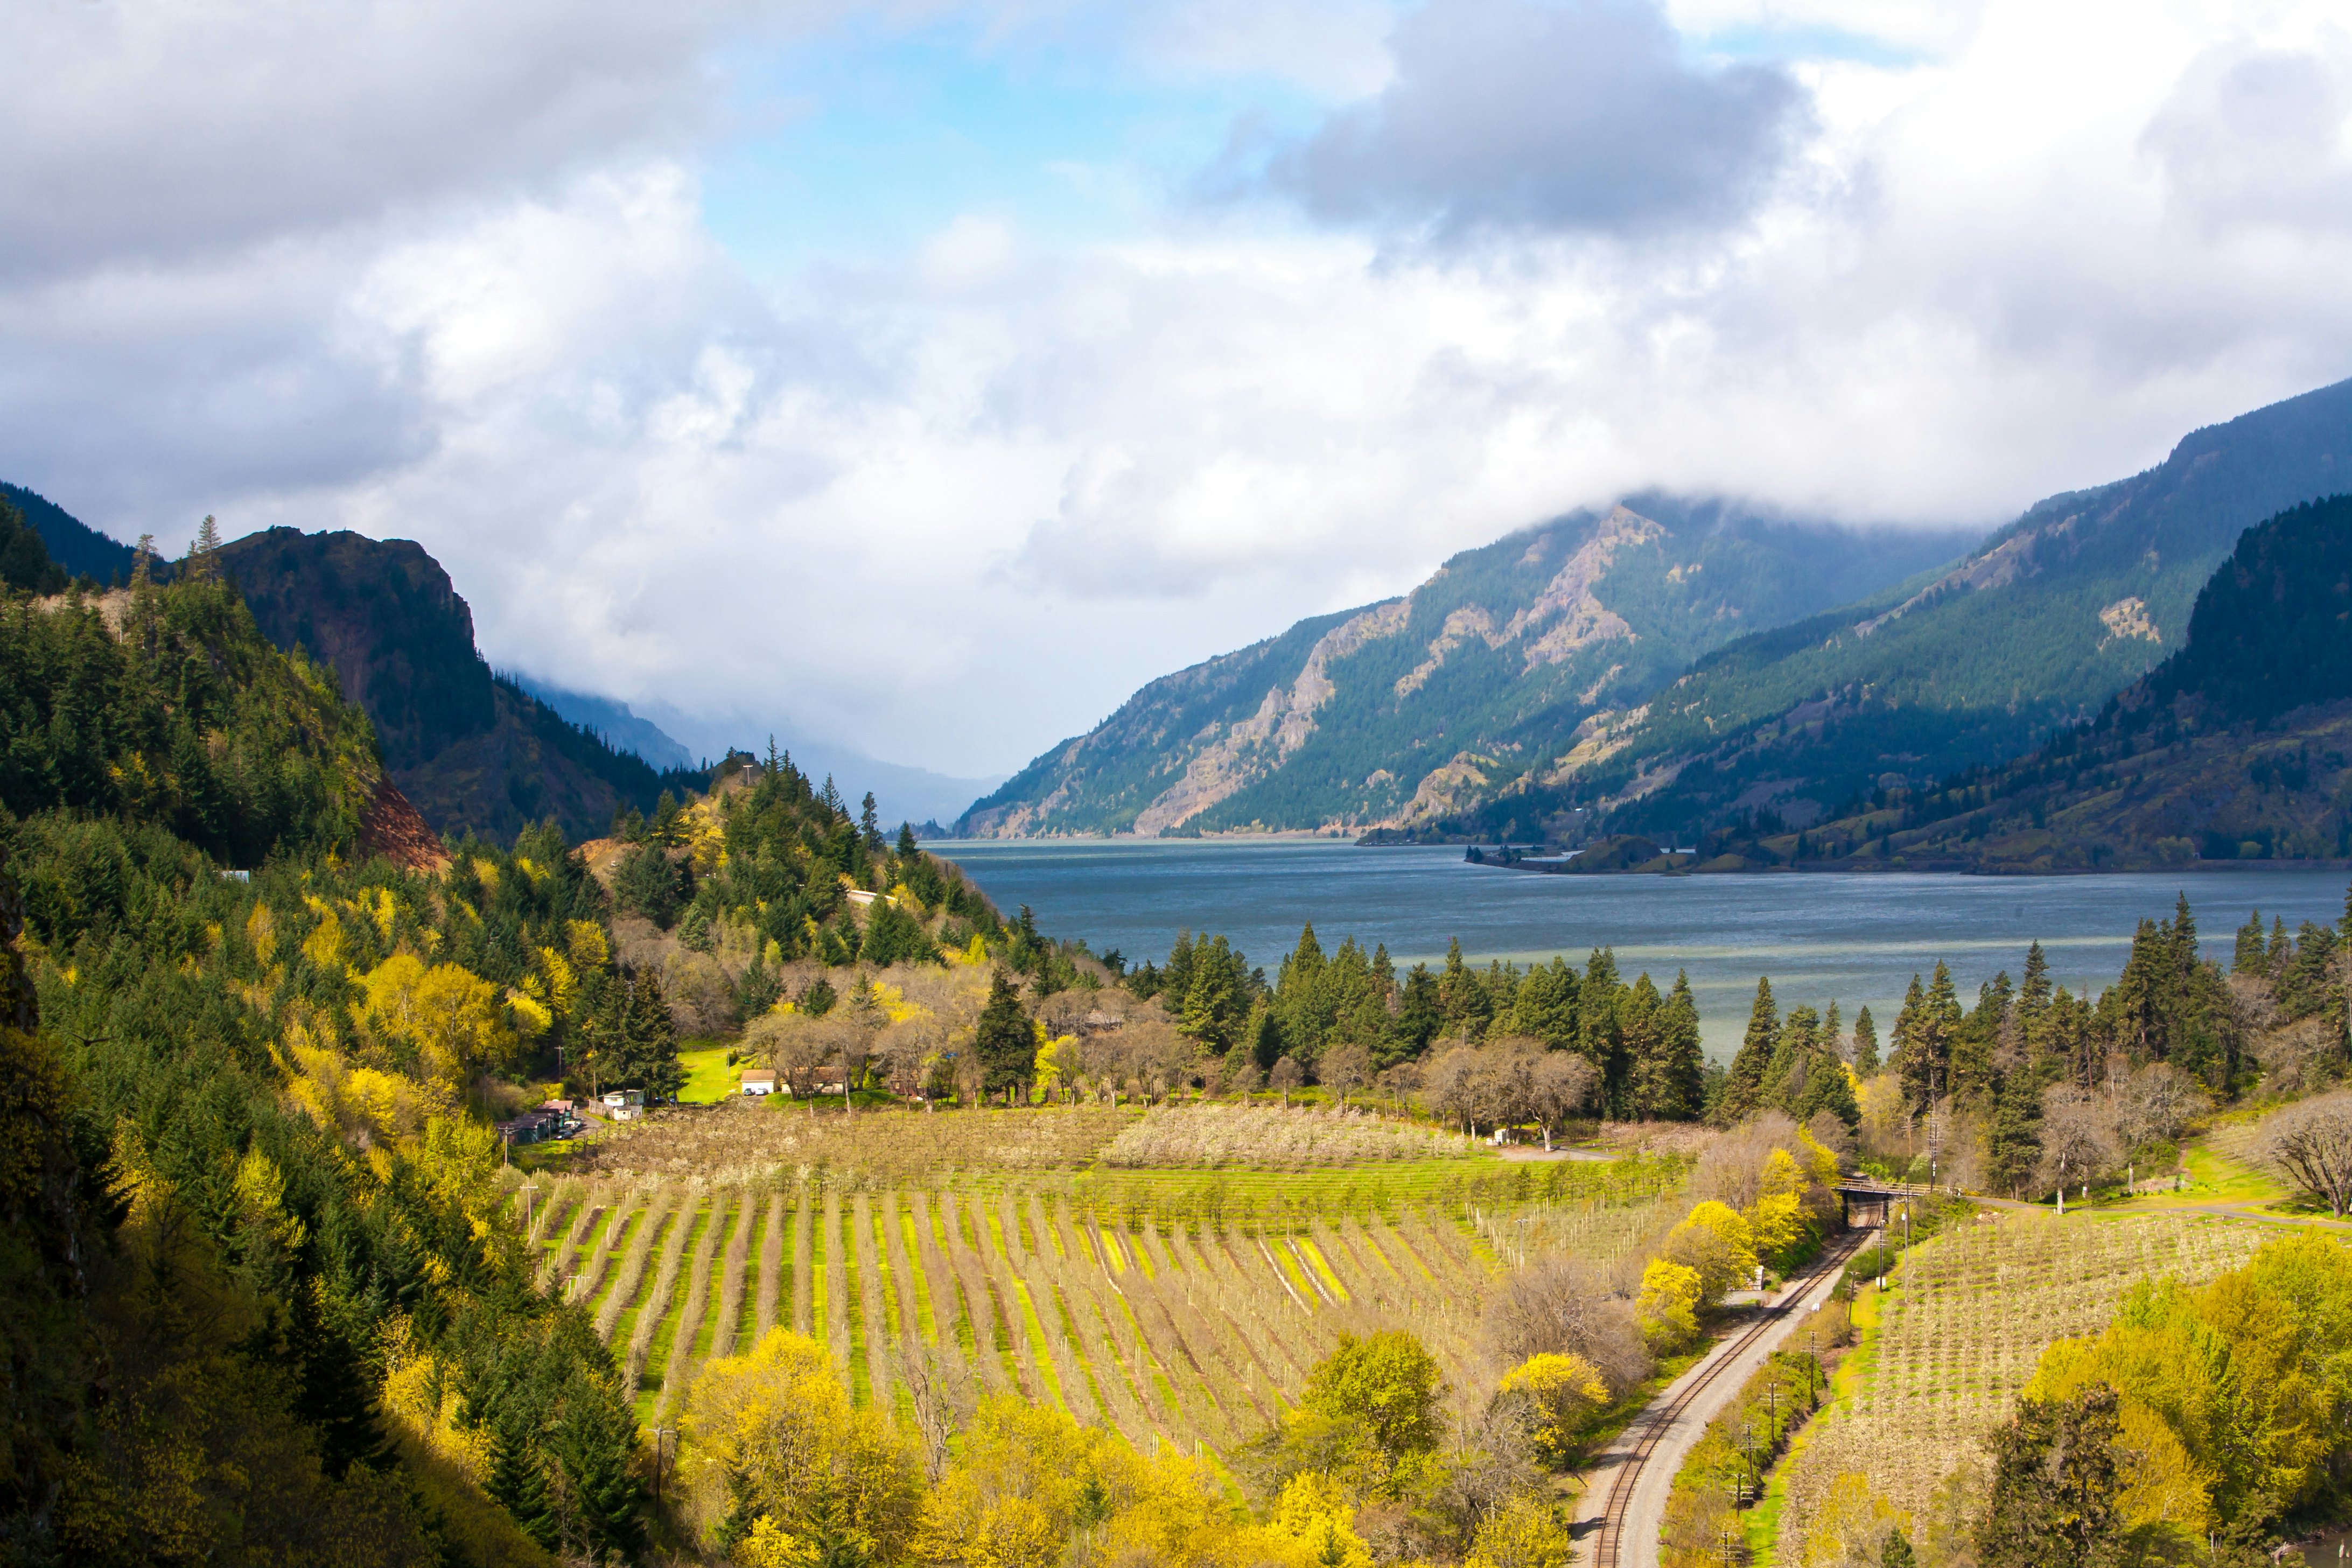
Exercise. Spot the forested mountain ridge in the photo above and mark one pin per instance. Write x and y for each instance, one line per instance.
(474, 751)
(2239, 745)
(2052, 616)
(1397, 712)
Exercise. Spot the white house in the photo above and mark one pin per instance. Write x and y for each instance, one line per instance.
(759, 1080)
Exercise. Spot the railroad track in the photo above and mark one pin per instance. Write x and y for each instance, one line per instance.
(1608, 1544)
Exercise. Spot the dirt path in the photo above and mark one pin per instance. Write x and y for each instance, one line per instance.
(1624, 1506)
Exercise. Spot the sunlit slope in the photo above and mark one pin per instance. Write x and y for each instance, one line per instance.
(1397, 712)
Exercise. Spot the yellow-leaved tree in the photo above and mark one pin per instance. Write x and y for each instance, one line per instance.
(1717, 1242)
(1524, 1533)
(453, 1020)
(1030, 1481)
(1567, 1391)
(1667, 1309)
(780, 1468)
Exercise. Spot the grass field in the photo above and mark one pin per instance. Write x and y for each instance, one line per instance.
(1966, 1327)
(708, 1079)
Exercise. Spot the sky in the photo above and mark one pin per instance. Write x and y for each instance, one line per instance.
(921, 378)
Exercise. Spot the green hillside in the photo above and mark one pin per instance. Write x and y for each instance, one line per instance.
(2035, 630)
(2237, 746)
(1400, 711)
(72, 543)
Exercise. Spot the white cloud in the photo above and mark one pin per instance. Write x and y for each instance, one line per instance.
(954, 504)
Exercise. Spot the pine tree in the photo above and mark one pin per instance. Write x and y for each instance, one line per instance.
(1600, 1036)
(2013, 1146)
(2056, 1486)
(2248, 957)
(1005, 1041)
(1865, 1044)
(907, 847)
(1673, 1079)
(648, 1038)
(1744, 1089)
(869, 824)
(595, 1439)
(516, 1478)
(1420, 1013)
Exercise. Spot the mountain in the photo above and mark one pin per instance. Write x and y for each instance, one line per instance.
(901, 792)
(2239, 745)
(470, 750)
(1398, 713)
(72, 543)
(619, 726)
(2031, 632)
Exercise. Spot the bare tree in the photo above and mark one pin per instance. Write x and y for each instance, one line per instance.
(2078, 1136)
(1284, 1077)
(1559, 1084)
(2157, 1104)
(1345, 1069)
(2313, 1143)
(1560, 1304)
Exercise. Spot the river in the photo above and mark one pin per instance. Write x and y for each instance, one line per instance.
(1858, 939)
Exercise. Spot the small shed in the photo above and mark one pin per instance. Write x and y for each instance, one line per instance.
(759, 1080)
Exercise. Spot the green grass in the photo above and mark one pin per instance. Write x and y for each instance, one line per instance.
(708, 1079)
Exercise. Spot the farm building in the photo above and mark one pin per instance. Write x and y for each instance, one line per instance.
(759, 1080)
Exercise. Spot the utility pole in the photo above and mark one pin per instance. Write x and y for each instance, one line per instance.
(659, 1433)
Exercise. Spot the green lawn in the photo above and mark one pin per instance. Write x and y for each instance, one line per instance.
(708, 1079)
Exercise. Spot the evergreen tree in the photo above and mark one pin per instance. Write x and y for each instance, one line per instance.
(595, 1438)
(907, 848)
(1005, 1040)
(1682, 1076)
(1264, 1032)
(1600, 1036)
(1743, 1090)
(870, 824)
(649, 1038)
(1865, 1044)
(2250, 956)
(24, 562)
(2013, 1145)
(2056, 1486)
(1545, 1007)
(1420, 1013)
(516, 1478)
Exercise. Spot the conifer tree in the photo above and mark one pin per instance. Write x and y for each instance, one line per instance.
(1744, 1088)
(1420, 1014)
(870, 824)
(2250, 957)
(2013, 1145)
(1600, 999)
(595, 1438)
(1545, 1007)
(1005, 1041)
(1865, 1044)
(1681, 1074)
(907, 847)
(516, 1480)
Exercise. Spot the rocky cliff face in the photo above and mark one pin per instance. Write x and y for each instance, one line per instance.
(470, 750)
(1396, 713)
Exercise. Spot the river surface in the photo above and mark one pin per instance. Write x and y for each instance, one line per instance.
(1855, 938)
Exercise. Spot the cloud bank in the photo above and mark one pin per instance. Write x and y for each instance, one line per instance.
(432, 272)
